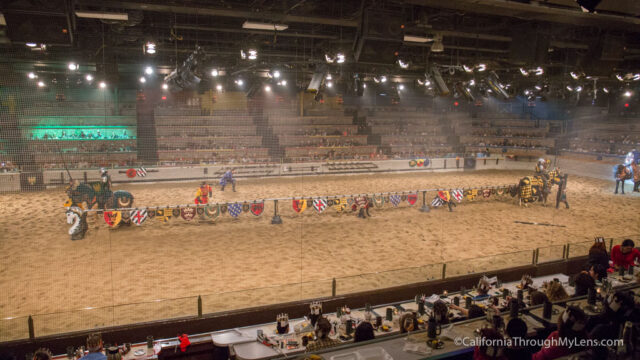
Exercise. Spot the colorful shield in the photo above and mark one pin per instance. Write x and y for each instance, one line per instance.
(131, 173)
(257, 208)
(212, 211)
(330, 202)
(395, 199)
(200, 210)
(188, 213)
(471, 194)
(349, 201)
(320, 205)
(500, 191)
(151, 214)
(175, 212)
(486, 193)
(378, 201)
(412, 198)
(457, 194)
(420, 162)
(138, 216)
(245, 207)
(340, 204)
(412, 163)
(437, 201)
(112, 218)
(235, 209)
(299, 205)
(361, 201)
(444, 195)
(223, 208)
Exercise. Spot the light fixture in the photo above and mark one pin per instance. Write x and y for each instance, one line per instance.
(149, 48)
(417, 39)
(264, 26)
(524, 72)
(102, 15)
(31, 44)
(574, 75)
(400, 87)
(219, 87)
(578, 88)
(420, 82)
(606, 91)
(427, 83)
(284, 82)
(376, 79)
(165, 86)
(619, 77)
(481, 67)
(329, 84)
(89, 77)
(539, 71)
(329, 59)
(239, 82)
(364, 86)
(148, 70)
(267, 88)
(383, 79)
(636, 77)
(328, 77)
(527, 92)
(250, 54)
(467, 69)
(73, 66)
(276, 74)
(340, 58)
(472, 82)
(402, 64)
(103, 84)
(143, 80)
(569, 88)
(628, 93)
(31, 75)
(538, 87)
(214, 72)
(437, 46)
(40, 84)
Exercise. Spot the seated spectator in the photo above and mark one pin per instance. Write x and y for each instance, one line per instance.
(441, 312)
(490, 348)
(323, 341)
(517, 331)
(555, 291)
(42, 354)
(624, 255)
(584, 282)
(364, 332)
(94, 346)
(408, 322)
(571, 327)
(598, 259)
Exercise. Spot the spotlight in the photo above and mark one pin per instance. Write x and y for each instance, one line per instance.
(267, 88)
(89, 77)
(329, 84)
(165, 86)
(619, 77)
(284, 82)
(376, 79)
(467, 69)
(636, 77)
(606, 91)
(482, 67)
(31, 75)
(402, 64)
(628, 93)
(539, 71)
(472, 82)
(103, 85)
(569, 88)
(214, 72)
(524, 72)
(527, 92)
(420, 82)
(276, 74)
(250, 54)
(329, 59)
(538, 87)
(143, 80)
(427, 83)
(31, 44)
(364, 86)
(578, 88)
(383, 79)
(328, 77)
(437, 45)
(148, 70)
(73, 66)
(219, 87)
(574, 75)
(40, 84)
(239, 82)
(149, 48)
(340, 58)
(400, 87)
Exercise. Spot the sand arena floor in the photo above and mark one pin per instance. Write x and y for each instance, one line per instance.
(42, 271)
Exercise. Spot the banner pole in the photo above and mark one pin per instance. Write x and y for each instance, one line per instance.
(276, 219)
(425, 208)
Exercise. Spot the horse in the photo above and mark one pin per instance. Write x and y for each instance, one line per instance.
(96, 193)
(536, 188)
(78, 221)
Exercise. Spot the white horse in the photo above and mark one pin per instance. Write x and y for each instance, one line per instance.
(78, 221)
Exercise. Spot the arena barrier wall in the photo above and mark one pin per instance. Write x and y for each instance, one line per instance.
(10, 182)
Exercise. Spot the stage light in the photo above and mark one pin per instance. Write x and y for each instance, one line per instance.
(148, 70)
(214, 72)
(40, 84)
(328, 77)
(165, 86)
(569, 88)
(578, 88)
(149, 48)
(400, 87)
(467, 69)
(574, 75)
(482, 67)
(619, 77)
(102, 15)
(427, 83)
(527, 92)
(626, 105)
(636, 77)
(284, 82)
(383, 79)
(31, 75)
(103, 84)
(340, 58)
(276, 74)
(606, 91)
(267, 88)
(524, 72)
(73, 66)
(472, 82)
(402, 64)
(239, 82)
(250, 54)
(437, 45)
(417, 39)
(364, 86)
(219, 87)
(264, 26)
(31, 44)
(329, 59)
(628, 93)
(420, 82)
(89, 77)
(376, 79)
(143, 80)
(539, 71)
(329, 84)
(538, 87)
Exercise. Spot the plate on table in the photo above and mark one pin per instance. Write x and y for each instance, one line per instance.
(139, 352)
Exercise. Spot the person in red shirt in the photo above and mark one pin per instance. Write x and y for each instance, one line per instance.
(203, 194)
(624, 255)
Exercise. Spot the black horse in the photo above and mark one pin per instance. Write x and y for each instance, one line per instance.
(98, 193)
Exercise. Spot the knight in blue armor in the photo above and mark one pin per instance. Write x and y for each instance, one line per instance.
(228, 178)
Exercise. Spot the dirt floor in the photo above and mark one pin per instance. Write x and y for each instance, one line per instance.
(43, 272)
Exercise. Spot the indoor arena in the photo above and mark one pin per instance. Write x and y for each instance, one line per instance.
(213, 180)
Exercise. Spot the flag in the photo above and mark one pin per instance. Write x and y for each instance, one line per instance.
(299, 205)
(437, 201)
(141, 172)
(412, 198)
(235, 209)
(139, 216)
(395, 199)
(457, 194)
(320, 205)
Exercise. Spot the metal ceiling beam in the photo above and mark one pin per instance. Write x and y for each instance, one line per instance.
(535, 12)
(212, 11)
(255, 32)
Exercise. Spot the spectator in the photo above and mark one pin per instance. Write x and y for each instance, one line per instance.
(555, 291)
(441, 312)
(364, 332)
(624, 255)
(571, 327)
(598, 259)
(491, 347)
(323, 341)
(584, 282)
(42, 354)
(408, 322)
(517, 350)
(538, 298)
(94, 346)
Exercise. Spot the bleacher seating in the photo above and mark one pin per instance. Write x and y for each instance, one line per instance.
(603, 135)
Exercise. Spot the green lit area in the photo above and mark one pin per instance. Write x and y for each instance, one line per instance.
(82, 133)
